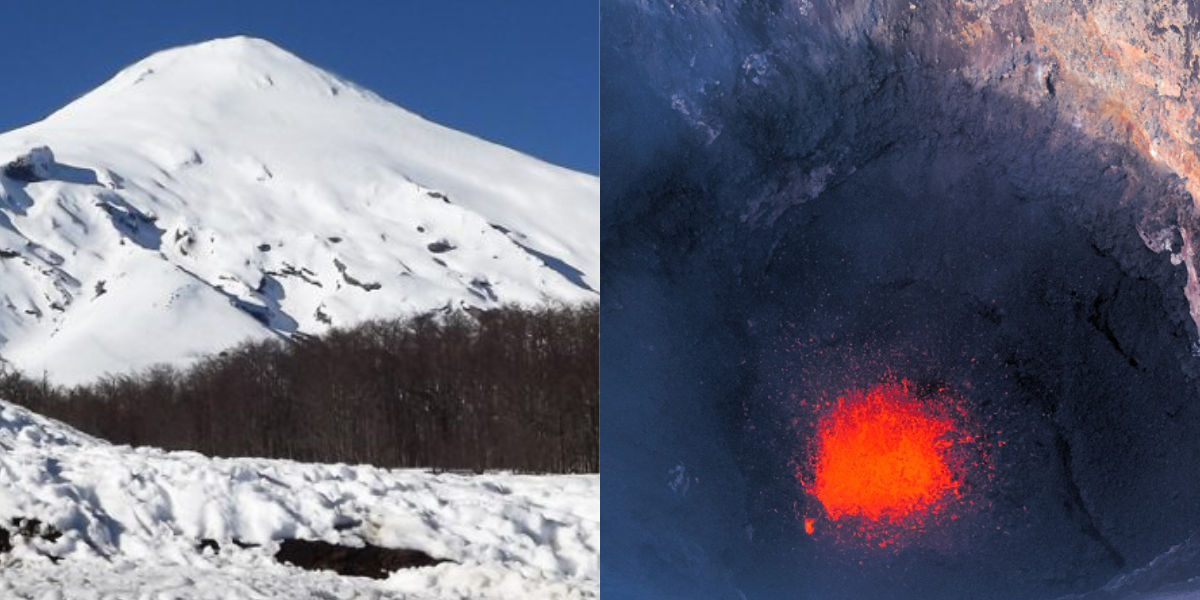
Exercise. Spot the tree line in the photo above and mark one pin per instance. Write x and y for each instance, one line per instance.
(502, 389)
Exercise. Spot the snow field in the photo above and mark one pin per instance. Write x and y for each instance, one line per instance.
(131, 520)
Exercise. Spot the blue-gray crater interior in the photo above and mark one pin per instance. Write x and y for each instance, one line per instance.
(901, 299)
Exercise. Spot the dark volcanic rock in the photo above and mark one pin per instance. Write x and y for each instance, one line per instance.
(807, 196)
(440, 247)
(368, 561)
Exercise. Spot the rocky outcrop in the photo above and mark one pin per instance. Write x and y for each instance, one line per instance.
(32, 166)
(1127, 72)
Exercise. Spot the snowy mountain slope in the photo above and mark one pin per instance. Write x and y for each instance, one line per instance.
(131, 520)
(229, 190)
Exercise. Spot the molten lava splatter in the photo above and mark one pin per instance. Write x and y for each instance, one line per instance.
(880, 455)
(884, 458)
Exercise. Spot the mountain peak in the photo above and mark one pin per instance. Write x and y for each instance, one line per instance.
(235, 43)
(238, 50)
(215, 64)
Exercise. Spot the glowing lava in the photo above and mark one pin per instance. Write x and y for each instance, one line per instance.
(882, 455)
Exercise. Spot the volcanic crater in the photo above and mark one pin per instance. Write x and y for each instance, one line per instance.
(993, 198)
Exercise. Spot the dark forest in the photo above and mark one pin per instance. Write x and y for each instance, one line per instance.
(503, 389)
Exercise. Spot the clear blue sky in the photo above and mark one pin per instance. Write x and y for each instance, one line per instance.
(523, 73)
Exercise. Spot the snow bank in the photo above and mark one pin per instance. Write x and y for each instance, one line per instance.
(132, 518)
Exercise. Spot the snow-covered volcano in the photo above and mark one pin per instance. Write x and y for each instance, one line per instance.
(230, 190)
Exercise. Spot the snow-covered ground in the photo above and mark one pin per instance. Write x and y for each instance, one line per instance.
(230, 190)
(131, 520)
